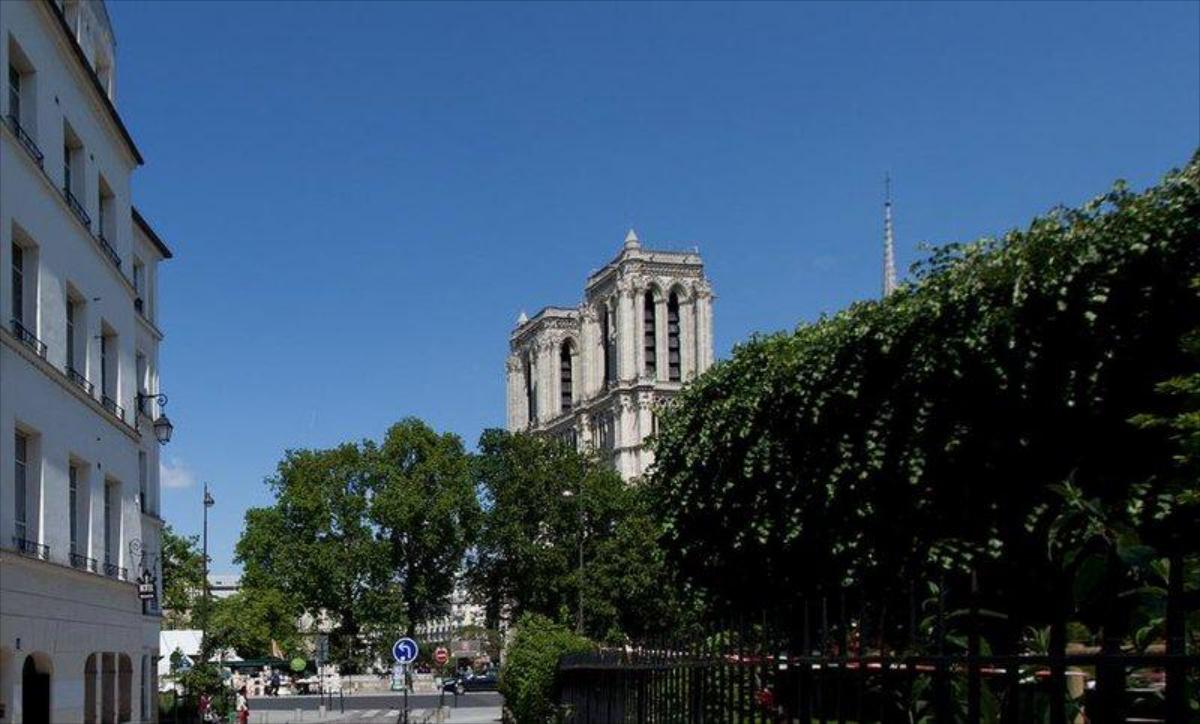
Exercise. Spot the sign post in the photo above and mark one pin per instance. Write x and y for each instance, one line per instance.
(404, 651)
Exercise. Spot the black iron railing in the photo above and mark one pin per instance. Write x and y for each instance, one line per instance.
(139, 306)
(111, 405)
(108, 250)
(25, 139)
(30, 339)
(31, 548)
(82, 382)
(112, 570)
(77, 208)
(840, 658)
(83, 563)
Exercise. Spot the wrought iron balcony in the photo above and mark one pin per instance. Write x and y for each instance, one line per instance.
(31, 548)
(77, 377)
(83, 563)
(77, 208)
(30, 339)
(112, 570)
(25, 139)
(111, 405)
(110, 252)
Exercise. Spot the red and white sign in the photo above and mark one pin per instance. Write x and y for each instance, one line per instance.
(441, 655)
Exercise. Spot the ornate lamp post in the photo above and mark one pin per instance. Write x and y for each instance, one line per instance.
(162, 424)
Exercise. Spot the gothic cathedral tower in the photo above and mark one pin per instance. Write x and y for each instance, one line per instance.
(595, 374)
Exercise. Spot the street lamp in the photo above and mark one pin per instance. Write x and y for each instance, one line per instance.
(579, 505)
(208, 503)
(162, 424)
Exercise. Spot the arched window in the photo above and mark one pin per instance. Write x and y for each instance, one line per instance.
(530, 390)
(124, 688)
(649, 340)
(674, 364)
(567, 392)
(610, 344)
(90, 670)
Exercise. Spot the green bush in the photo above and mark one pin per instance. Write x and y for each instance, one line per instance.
(527, 678)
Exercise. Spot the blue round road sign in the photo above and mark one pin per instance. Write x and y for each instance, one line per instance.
(405, 651)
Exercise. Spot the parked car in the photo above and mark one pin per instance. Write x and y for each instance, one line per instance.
(470, 682)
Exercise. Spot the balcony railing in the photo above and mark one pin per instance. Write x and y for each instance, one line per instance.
(30, 339)
(25, 139)
(110, 252)
(111, 405)
(31, 548)
(112, 570)
(77, 377)
(77, 208)
(83, 563)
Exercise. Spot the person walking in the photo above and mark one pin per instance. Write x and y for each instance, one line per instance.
(243, 707)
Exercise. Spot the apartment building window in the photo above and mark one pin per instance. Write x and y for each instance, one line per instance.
(143, 482)
(674, 364)
(112, 498)
(14, 93)
(18, 283)
(105, 203)
(108, 371)
(73, 180)
(649, 330)
(22, 95)
(143, 403)
(73, 506)
(139, 277)
(20, 478)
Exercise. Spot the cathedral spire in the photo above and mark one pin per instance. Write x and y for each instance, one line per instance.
(631, 240)
(889, 242)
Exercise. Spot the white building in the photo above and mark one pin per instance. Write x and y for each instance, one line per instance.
(79, 488)
(594, 374)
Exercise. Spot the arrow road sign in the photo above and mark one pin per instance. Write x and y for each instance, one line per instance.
(405, 650)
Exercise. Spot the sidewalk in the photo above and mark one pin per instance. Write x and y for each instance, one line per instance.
(474, 715)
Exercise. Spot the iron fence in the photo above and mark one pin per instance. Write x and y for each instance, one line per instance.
(842, 657)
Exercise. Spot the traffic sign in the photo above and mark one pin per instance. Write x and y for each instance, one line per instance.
(441, 656)
(405, 651)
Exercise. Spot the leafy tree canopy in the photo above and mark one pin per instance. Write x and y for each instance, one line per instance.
(183, 577)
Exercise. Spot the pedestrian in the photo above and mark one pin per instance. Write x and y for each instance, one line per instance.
(243, 707)
(275, 683)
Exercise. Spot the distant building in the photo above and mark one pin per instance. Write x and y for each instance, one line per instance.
(79, 343)
(594, 374)
(224, 585)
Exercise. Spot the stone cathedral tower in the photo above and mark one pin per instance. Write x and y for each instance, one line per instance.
(594, 374)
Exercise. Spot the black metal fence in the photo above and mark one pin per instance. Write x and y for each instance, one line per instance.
(840, 658)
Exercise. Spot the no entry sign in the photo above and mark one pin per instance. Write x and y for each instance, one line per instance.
(441, 655)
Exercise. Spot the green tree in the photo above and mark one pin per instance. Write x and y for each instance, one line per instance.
(249, 620)
(902, 438)
(425, 512)
(183, 577)
(542, 501)
(531, 667)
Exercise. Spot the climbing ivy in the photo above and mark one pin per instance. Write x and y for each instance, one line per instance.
(923, 433)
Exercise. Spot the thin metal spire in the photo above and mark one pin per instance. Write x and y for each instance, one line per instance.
(889, 242)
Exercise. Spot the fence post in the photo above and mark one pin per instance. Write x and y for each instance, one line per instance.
(1110, 672)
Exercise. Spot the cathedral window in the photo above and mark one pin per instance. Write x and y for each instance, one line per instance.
(564, 372)
(530, 391)
(610, 345)
(649, 329)
(674, 366)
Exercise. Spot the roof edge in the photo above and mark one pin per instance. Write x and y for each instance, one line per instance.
(150, 234)
(91, 73)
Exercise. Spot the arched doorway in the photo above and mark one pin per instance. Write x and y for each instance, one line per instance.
(124, 687)
(35, 689)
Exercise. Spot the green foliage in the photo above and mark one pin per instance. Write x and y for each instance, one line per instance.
(920, 434)
(528, 675)
(543, 500)
(250, 619)
(369, 535)
(183, 577)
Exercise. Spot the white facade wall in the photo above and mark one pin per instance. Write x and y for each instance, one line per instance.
(613, 412)
(55, 608)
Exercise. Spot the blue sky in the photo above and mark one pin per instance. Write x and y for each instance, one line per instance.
(362, 197)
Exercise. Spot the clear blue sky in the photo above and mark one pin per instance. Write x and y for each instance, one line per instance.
(362, 197)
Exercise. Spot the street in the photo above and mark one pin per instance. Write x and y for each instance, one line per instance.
(383, 702)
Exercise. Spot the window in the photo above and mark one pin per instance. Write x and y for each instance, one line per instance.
(143, 482)
(73, 180)
(564, 372)
(530, 390)
(674, 367)
(143, 403)
(21, 457)
(73, 506)
(104, 210)
(111, 503)
(14, 93)
(108, 370)
(72, 315)
(18, 283)
(610, 345)
(649, 329)
(139, 277)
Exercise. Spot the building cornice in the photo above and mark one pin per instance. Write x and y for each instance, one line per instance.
(65, 35)
(150, 234)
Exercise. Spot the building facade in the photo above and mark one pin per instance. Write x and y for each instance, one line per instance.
(595, 374)
(79, 458)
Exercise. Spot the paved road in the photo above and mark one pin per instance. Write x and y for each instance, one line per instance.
(386, 702)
